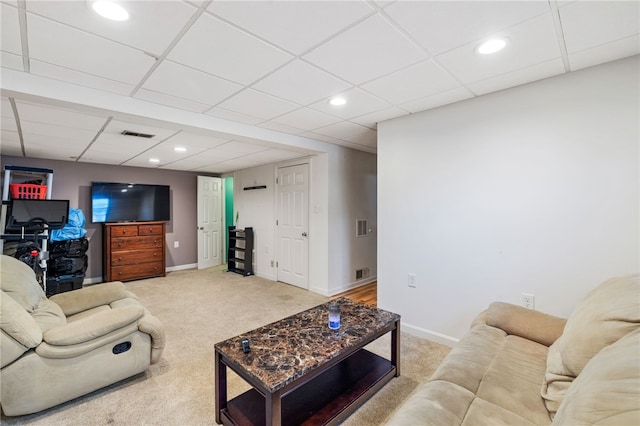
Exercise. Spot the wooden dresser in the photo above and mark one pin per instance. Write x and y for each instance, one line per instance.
(133, 251)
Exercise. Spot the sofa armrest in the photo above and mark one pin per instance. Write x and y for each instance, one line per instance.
(86, 298)
(519, 321)
(17, 323)
(153, 327)
(94, 326)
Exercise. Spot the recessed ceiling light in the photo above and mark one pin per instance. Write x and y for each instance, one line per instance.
(154, 160)
(180, 149)
(337, 101)
(110, 10)
(491, 46)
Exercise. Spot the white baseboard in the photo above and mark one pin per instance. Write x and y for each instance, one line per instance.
(430, 335)
(350, 286)
(182, 267)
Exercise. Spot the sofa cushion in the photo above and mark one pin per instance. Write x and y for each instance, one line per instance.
(607, 391)
(501, 372)
(607, 313)
(19, 281)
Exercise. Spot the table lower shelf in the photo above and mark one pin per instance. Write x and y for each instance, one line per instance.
(328, 398)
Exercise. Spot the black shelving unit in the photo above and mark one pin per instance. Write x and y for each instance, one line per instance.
(240, 251)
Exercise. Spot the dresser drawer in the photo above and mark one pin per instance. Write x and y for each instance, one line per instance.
(124, 231)
(154, 229)
(142, 270)
(133, 257)
(134, 243)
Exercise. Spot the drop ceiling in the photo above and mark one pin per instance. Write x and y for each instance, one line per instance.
(269, 68)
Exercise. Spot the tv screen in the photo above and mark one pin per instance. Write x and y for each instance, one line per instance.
(129, 202)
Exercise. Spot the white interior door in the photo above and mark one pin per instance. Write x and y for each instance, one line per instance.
(209, 221)
(292, 226)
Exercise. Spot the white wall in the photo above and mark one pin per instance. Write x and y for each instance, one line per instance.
(533, 189)
(342, 189)
(352, 196)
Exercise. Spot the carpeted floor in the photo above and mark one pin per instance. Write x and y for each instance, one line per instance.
(198, 309)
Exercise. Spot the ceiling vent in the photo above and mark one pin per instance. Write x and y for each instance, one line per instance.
(136, 134)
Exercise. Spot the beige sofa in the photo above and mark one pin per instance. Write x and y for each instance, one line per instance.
(54, 350)
(516, 366)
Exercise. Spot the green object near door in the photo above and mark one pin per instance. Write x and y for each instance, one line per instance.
(228, 210)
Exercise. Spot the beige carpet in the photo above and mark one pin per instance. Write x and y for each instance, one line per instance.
(198, 309)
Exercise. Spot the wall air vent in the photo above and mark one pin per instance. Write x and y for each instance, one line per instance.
(136, 134)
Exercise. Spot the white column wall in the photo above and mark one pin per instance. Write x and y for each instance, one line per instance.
(533, 189)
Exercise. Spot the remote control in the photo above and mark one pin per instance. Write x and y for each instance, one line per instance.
(245, 346)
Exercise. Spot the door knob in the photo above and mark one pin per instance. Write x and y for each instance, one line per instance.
(201, 228)
(304, 234)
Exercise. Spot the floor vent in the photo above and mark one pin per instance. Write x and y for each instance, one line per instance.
(136, 134)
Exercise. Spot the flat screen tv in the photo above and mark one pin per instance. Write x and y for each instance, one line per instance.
(129, 202)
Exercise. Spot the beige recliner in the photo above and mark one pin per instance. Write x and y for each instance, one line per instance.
(54, 350)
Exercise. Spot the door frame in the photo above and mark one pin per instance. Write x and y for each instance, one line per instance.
(298, 162)
(221, 219)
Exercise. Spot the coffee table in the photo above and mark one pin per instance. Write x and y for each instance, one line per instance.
(302, 372)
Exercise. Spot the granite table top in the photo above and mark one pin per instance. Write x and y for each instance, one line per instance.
(289, 348)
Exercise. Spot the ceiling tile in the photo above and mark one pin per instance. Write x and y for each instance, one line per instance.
(258, 104)
(193, 141)
(294, 25)
(343, 130)
(416, 81)
(515, 78)
(152, 26)
(60, 132)
(172, 101)
(59, 117)
(279, 127)
(10, 143)
(240, 148)
(319, 137)
(61, 45)
(306, 119)
(366, 51)
(588, 24)
(302, 83)
(604, 53)
(371, 120)
(8, 124)
(440, 26)
(230, 53)
(530, 43)
(186, 83)
(10, 30)
(358, 103)
(233, 116)
(52, 146)
(80, 78)
(5, 108)
(9, 60)
(440, 99)
(202, 159)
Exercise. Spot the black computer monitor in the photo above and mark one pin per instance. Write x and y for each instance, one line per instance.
(35, 213)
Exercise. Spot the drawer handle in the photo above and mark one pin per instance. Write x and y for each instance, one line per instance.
(120, 258)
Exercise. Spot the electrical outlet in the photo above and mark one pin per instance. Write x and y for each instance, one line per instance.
(528, 300)
(272, 264)
(412, 280)
(176, 244)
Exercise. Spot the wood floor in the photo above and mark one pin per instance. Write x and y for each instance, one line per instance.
(367, 294)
